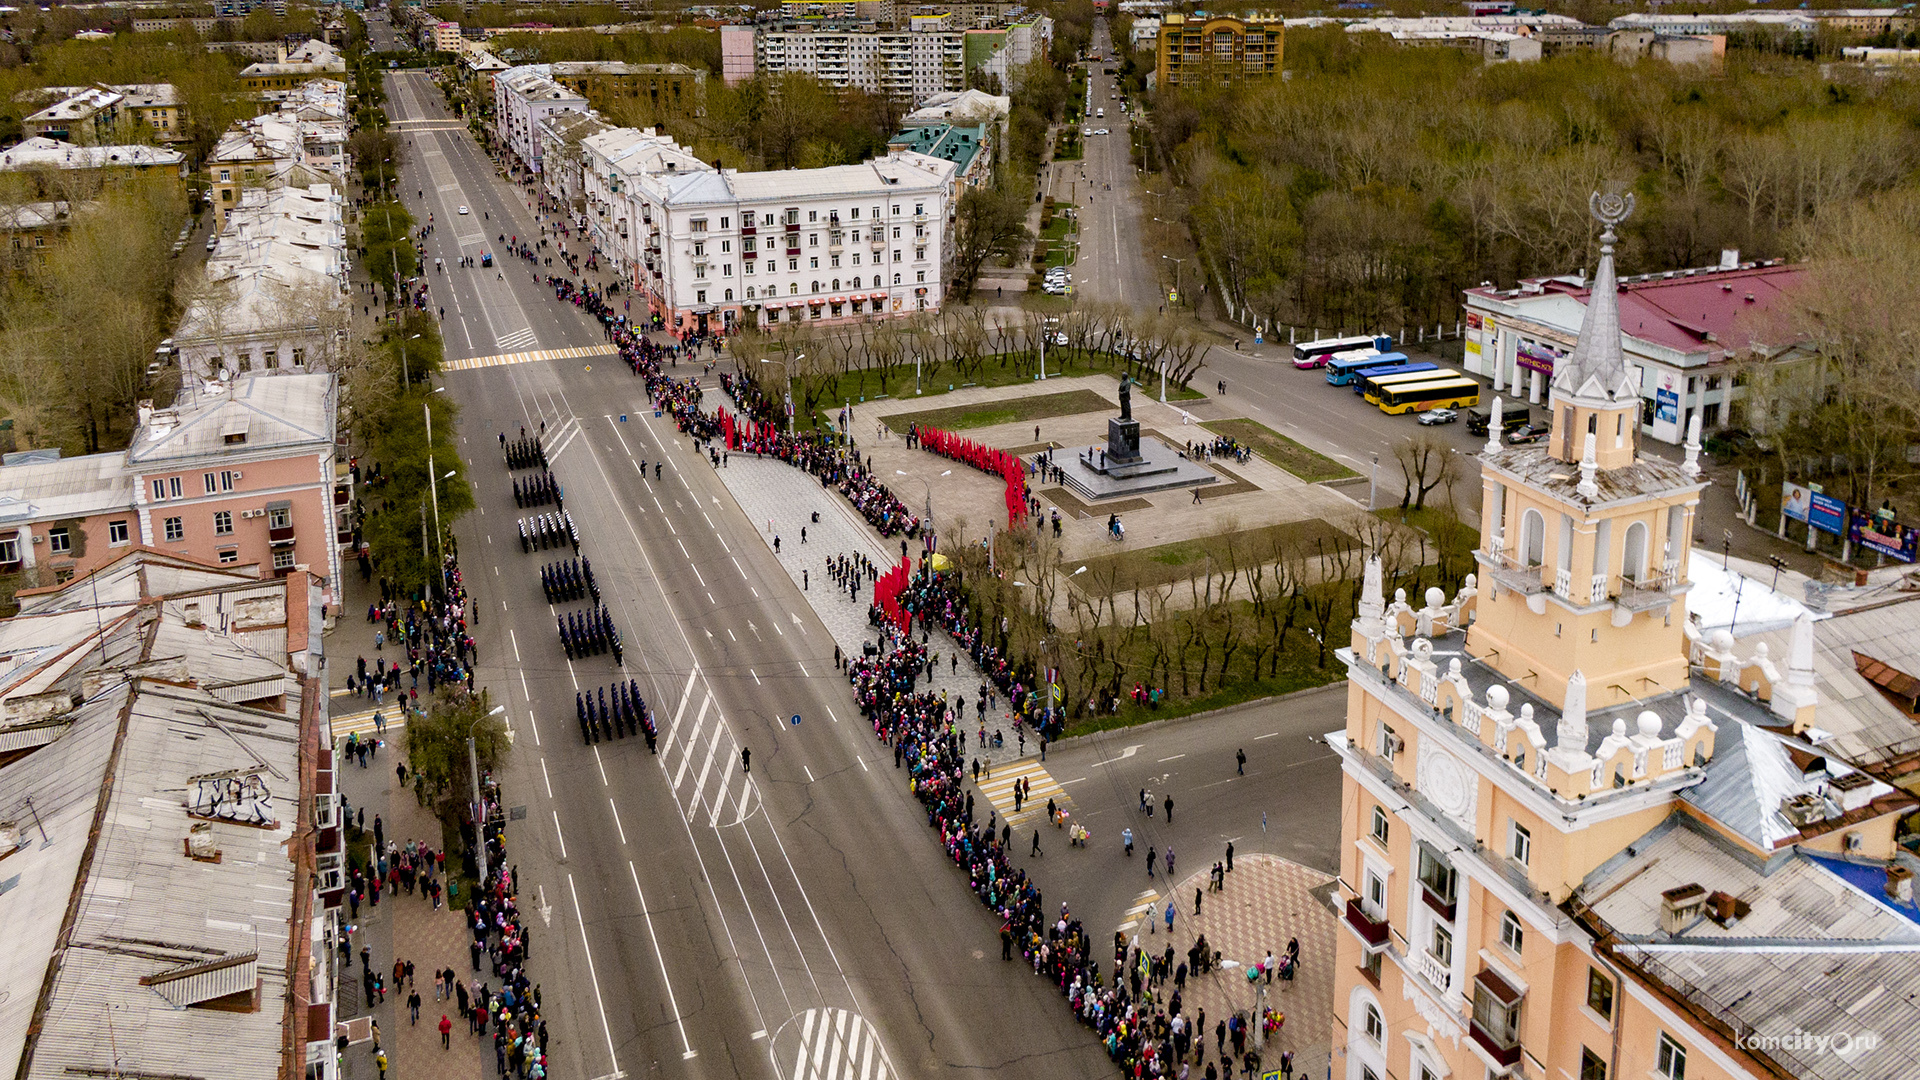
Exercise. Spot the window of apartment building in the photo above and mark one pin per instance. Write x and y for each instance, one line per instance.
(283, 559)
(813, 216)
(813, 286)
(747, 269)
(700, 297)
(116, 532)
(1713, 382)
(919, 230)
(767, 220)
(834, 261)
(1389, 742)
(725, 223)
(919, 209)
(896, 279)
(698, 224)
(1437, 876)
(60, 540)
(920, 276)
(226, 176)
(876, 211)
(1519, 844)
(279, 517)
(1600, 993)
(919, 254)
(1382, 828)
(1376, 1029)
(1376, 894)
(270, 359)
(726, 246)
(9, 551)
(813, 263)
(1371, 965)
(813, 239)
(1670, 1059)
(1368, 1074)
(1592, 1067)
(792, 265)
(1512, 934)
(699, 249)
(222, 522)
(793, 288)
(176, 529)
(1710, 414)
(896, 235)
(728, 296)
(1442, 947)
(699, 270)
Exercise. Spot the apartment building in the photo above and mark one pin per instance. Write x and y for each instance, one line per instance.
(908, 64)
(1003, 51)
(669, 88)
(313, 60)
(274, 293)
(717, 248)
(522, 98)
(235, 473)
(1581, 836)
(1196, 50)
(81, 117)
(969, 146)
(47, 157)
(266, 151)
(1685, 332)
(184, 704)
(31, 229)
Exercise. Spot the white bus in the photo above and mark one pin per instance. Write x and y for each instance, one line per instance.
(1313, 354)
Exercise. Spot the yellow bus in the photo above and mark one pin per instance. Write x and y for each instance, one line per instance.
(1453, 392)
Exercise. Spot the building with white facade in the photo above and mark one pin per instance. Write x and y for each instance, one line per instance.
(1684, 333)
(905, 64)
(718, 248)
(522, 98)
(275, 287)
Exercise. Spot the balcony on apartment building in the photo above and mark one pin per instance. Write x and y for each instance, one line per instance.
(280, 523)
(1435, 970)
(1373, 932)
(1495, 1026)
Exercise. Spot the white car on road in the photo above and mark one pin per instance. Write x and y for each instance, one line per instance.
(463, 211)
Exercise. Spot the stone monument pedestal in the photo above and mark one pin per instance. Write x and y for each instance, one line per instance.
(1123, 441)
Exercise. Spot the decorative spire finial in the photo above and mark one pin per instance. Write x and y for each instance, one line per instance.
(1691, 465)
(1494, 427)
(1596, 369)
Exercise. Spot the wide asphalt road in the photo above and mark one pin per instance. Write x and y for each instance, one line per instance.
(696, 920)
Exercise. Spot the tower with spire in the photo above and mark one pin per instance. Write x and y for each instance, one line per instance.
(1585, 540)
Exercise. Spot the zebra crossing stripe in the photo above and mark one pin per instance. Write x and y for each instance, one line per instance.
(1143, 904)
(472, 363)
(836, 1044)
(362, 722)
(998, 789)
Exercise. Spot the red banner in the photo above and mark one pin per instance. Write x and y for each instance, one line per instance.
(987, 459)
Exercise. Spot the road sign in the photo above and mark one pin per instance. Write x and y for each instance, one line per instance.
(796, 719)
(623, 418)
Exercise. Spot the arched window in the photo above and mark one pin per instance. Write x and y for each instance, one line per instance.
(793, 289)
(1375, 1028)
(856, 282)
(749, 292)
(729, 294)
(1633, 560)
(836, 283)
(896, 279)
(815, 287)
(1533, 538)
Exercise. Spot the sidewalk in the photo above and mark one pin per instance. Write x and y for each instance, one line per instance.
(401, 926)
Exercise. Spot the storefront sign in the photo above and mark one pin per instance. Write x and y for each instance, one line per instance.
(1473, 320)
(1889, 538)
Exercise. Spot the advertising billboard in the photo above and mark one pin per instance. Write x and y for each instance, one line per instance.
(1536, 357)
(1889, 538)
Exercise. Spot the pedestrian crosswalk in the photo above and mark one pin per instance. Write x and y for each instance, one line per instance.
(519, 339)
(361, 723)
(1143, 908)
(501, 359)
(834, 1044)
(998, 786)
(700, 755)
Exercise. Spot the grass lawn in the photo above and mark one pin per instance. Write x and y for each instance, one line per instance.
(1309, 465)
(1239, 692)
(1183, 559)
(1059, 228)
(990, 413)
(1435, 522)
(865, 386)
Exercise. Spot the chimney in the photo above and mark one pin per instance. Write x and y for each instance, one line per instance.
(1680, 906)
(1899, 883)
(143, 411)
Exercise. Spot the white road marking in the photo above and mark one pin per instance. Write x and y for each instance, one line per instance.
(545, 779)
(599, 1000)
(672, 1004)
(809, 773)
(601, 765)
(1268, 735)
(558, 836)
(616, 822)
(1175, 757)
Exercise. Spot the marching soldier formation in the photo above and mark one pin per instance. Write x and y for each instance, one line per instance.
(538, 491)
(543, 531)
(589, 635)
(524, 453)
(569, 580)
(624, 714)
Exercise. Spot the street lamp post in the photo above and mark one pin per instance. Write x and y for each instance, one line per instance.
(1177, 263)
(1373, 482)
(929, 486)
(479, 810)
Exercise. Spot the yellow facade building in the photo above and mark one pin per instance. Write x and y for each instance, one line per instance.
(1583, 839)
(1196, 51)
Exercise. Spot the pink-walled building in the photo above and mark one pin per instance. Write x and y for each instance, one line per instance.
(236, 474)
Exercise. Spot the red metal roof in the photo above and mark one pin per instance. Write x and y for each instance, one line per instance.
(1680, 312)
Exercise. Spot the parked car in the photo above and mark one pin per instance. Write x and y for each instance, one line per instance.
(1511, 418)
(1436, 417)
(463, 211)
(1531, 433)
